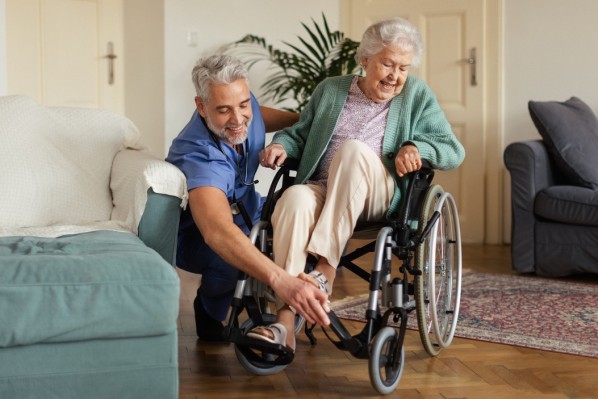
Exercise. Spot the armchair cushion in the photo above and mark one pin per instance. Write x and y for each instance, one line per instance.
(568, 204)
(570, 131)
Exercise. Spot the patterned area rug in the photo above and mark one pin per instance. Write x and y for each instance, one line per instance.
(557, 315)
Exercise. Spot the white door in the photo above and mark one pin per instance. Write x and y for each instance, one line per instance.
(66, 52)
(452, 30)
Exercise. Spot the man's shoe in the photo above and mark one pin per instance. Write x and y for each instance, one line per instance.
(208, 329)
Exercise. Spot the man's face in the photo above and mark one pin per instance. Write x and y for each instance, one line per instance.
(228, 111)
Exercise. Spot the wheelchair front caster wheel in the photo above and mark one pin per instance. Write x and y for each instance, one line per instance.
(386, 361)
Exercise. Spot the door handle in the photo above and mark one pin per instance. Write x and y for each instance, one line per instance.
(111, 56)
(472, 61)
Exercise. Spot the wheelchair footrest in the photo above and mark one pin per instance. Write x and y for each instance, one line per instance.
(356, 345)
(259, 351)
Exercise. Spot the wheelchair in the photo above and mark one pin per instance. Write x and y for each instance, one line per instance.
(426, 241)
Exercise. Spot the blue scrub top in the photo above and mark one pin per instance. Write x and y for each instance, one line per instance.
(208, 162)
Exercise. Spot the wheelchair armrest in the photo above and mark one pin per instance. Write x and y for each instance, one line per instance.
(291, 164)
(284, 173)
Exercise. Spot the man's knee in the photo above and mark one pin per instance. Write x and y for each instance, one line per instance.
(221, 280)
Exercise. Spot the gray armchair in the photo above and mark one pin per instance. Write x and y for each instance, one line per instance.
(554, 192)
(554, 224)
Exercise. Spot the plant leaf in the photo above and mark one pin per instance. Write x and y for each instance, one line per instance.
(295, 74)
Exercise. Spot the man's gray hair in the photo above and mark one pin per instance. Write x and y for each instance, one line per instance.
(391, 32)
(216, 69)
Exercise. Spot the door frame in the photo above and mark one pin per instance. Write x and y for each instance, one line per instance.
(491, 61)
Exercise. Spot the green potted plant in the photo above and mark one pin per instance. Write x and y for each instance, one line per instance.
(297, 72)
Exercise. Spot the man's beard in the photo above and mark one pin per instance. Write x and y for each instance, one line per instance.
(222, 135)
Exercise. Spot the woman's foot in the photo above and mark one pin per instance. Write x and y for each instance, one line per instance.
(275, 334)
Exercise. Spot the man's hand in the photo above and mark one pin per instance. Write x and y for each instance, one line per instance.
(273, 156)
(407, 160)
(212, 214)
(304, 297)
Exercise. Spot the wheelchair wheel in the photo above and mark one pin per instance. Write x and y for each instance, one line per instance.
(384, 367)
(264, 365)
(438, 288)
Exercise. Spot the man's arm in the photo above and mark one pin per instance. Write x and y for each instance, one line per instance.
(211, 212)
(275, 119)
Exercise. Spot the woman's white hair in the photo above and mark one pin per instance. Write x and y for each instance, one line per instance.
(391, 32)
(216, 69)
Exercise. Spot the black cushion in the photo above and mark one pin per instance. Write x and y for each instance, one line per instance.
(570, 131)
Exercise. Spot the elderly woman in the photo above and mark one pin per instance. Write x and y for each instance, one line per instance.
(356, 139)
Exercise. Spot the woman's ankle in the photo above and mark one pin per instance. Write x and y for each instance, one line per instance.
(327, 270)
(286, 317)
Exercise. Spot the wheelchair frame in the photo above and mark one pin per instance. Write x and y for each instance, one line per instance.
(426, 239)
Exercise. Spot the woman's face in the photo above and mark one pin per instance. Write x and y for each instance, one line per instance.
(385, 73)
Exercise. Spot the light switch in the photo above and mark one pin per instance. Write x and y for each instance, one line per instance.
(192, 39)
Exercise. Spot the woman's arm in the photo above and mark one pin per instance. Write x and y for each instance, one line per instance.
(432, 133)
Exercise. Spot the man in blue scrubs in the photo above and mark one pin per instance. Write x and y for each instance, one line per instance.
(218, 152)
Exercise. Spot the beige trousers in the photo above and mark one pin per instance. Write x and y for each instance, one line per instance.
(310, 219)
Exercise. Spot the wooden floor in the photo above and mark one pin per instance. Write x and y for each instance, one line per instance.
(467, 369)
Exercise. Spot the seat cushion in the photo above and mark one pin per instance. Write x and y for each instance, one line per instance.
(570, 131)
(97, 285)
(568, 204)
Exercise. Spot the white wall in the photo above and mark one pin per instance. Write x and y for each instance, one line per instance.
(3, 64)
(550, 55)
(144, 70)
(220, 22)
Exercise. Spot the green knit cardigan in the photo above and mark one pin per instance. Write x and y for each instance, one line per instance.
(414, 117)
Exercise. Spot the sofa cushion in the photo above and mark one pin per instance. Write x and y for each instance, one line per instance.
(97, 285)
(568, 204)
(56, 162)
(570, 130)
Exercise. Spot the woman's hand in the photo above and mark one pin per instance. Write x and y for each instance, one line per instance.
(407, 160)
(273, 156)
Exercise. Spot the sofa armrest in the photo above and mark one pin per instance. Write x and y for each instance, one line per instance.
(133, 174)
(159, 224)
(531, 171)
